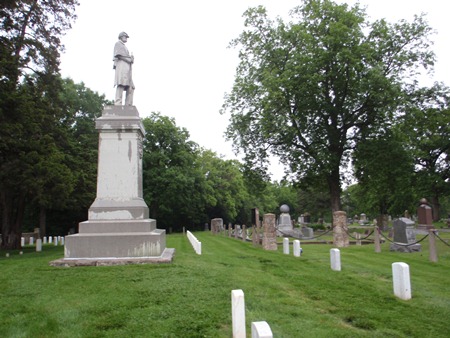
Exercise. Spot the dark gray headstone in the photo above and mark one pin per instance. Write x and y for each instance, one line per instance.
(404, 231)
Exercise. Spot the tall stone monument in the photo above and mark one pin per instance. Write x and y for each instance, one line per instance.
(118, 229)
(284, 227)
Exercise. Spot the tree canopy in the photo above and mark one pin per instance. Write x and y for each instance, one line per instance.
(310, 90)
(29, 113)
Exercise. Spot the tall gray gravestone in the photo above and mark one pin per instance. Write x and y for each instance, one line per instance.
(118, 229)
(404, 236)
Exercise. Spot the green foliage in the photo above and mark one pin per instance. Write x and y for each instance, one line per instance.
(172, 180)
(224, 183)
(309, 90)
(191, 296)
(426, 126)
(29, 113)
(185, 185)
(384, 170)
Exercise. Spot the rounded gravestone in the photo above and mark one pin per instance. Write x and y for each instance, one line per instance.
(423, 201)
(284, 209)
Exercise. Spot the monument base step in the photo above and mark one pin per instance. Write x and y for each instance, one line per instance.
(116, 226)
(403, 248)
(166, 257)
(115, 245)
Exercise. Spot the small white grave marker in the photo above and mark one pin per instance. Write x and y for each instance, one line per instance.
(56, 240)
(238, 313)
(261, 330)
(31, 240)
(45, 240)
(401, 280)
(22, 241)
(335, 258)
(62, 240)
(286, 246)
(196, 244)
(297, 248)
(38, 245)
(50, 239)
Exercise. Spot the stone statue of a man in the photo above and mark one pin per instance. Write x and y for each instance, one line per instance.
(123, 78)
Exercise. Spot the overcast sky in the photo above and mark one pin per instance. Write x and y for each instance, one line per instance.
(182, 64)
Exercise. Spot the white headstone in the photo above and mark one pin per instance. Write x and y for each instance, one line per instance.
(286, 246)
(55, 240)
(50, 239)
(38, 245)
(62, 240)
(261, 330)
(297, 248)
(45, 240)
(401, 280)
(238, 313)
(22, 241)
(335, 257)
(31, 240)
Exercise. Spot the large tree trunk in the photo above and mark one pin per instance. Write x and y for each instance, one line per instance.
(12, 218)
(335, 190)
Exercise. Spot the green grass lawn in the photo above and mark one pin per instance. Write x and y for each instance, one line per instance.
(298, 297)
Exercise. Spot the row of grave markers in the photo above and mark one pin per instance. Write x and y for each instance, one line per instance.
(400, 275)
(259, 329)
(39, 242)
(56, 240)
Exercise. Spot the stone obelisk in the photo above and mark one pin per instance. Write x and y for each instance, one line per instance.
(118, 229)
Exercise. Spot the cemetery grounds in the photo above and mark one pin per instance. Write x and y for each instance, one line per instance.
(191, 297)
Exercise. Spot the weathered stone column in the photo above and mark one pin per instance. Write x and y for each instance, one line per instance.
(216, 225)
(432, 245)
(340, 229)
(256, 227)
(376, 232)
(244, 233)
(255, 235)
(269, 240)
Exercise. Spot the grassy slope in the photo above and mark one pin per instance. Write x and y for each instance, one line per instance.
(191, 297)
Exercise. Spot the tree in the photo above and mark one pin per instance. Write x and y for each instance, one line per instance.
(225, 187)
(31, 32)
(426, 125)
(308, 91)
(29, 49)
(173, 182)
(385, 173)
(81, 106)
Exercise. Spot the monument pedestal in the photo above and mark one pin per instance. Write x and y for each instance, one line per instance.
(118, 229)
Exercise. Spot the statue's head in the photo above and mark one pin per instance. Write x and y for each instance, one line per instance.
(123, 34)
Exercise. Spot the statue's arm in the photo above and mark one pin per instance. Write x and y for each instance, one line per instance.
(122, 54)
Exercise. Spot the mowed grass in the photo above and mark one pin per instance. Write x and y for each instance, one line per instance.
(298, 297)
